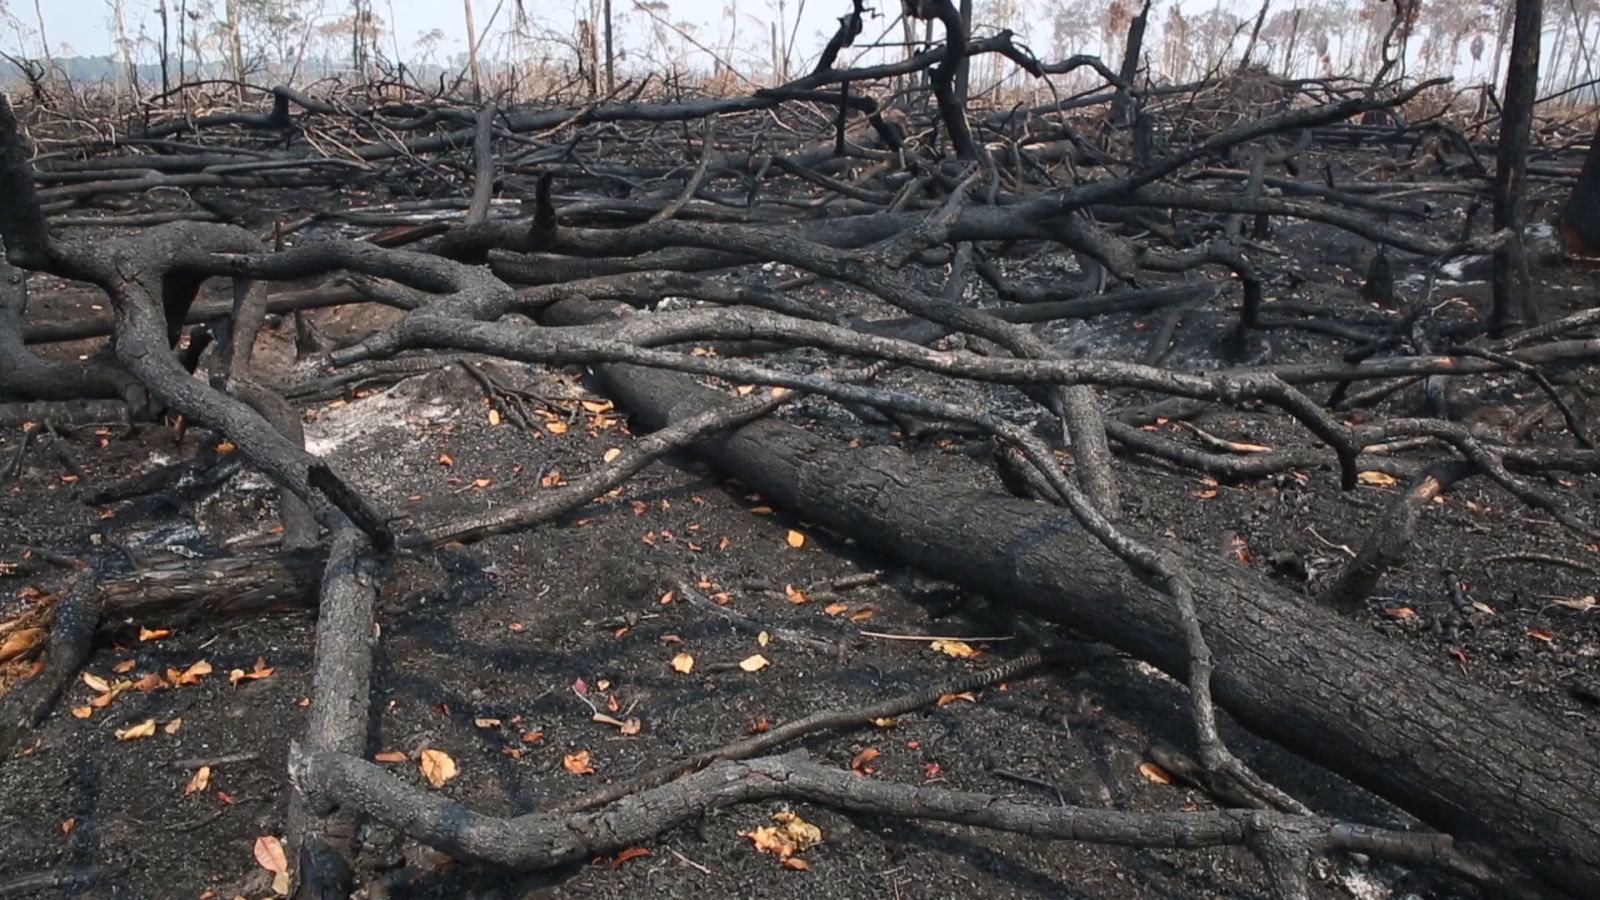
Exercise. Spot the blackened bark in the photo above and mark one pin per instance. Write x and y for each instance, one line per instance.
(1580, 218)
(1451, 752)
(1510, 278)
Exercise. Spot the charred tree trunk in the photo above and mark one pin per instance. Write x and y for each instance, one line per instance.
(1122, 105)
(1580, 218)
(1510, 277)
(1450, 752)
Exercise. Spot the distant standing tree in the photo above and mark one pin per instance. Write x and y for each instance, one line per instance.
(1580, 218)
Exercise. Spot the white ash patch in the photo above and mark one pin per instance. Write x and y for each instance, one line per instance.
(408, 407)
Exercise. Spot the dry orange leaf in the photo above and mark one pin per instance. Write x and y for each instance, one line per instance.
(577, 763)
(862, 614)
(957, 649)
(191, 675)
(947, 699)
(795, 539)
(611, 454)
(199, 781)
(437, 767)
(683, 663)
(82, 712)
(144, 729)
(1381, 479)
(1539, 634)
(556, 427)
(19, 642)
(795, 863)
(270, 856)
(390, 756)
(486, 723)
(1154, 773)
(858, 763)
(835, 609)
(793, 594)
(95, 683)
(754, 663)
(791, 835)
(124, 667)
(153, 634)
(172, 727)
(257, 672)
(628, 854)
(597, 406)
(445, 460)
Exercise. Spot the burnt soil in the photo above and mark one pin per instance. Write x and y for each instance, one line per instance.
(482, 647)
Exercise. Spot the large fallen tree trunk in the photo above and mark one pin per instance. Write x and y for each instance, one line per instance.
(1504, 779)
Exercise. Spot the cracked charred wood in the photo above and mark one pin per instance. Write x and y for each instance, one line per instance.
(1446, 750)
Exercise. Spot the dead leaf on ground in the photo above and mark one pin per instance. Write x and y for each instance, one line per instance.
(795, 539)
(791, 835)
(947, 699)
(683, 663)
(957, 649)
(153, 634)
(754, 663)
(199, 781)
(1155, 773)
(144, 729)
(191, 675)
(257, 672)
(628, 854)
(859, 762)
(389, 757)
(577, 763)
(795, 595)
(96, 683)
(1380, 479)
(270, 856)
(19, 642)
(437, 767)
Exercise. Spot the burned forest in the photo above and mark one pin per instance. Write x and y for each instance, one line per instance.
(930, 467)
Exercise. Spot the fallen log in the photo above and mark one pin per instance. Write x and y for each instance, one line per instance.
(1505, 780)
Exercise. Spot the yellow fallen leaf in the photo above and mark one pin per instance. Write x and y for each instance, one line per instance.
(494, 417)
(224, 448)
(683, 663)
(269, 854)
(96, 683)
(611, 454)
(754, 663)
(795, 539)
(947, 699)
(763, 639)
(199, 781)
(795, 595)
(885, 723)
(144, 729)
(597, 406)
(1382, 479)
(486, 723)
(835, 609)
(556, 427)
(437, 767)
(957, 649)
(82, 712)
(577, 763)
